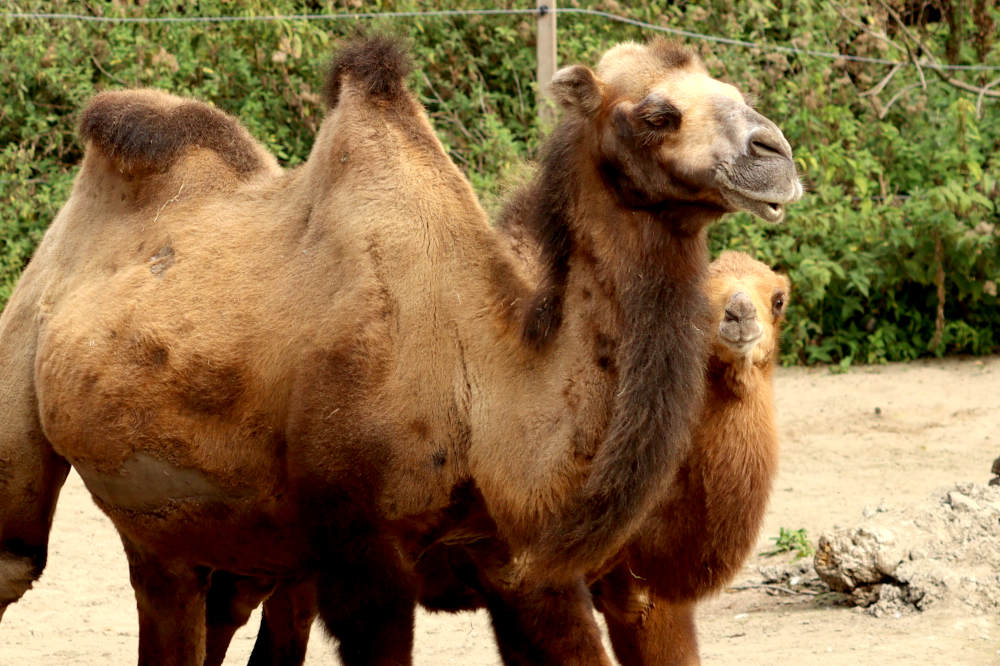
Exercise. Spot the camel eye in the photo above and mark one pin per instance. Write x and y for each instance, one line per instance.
(778, 303)
(659, 113)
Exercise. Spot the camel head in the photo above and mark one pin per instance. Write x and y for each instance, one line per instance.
(665, 132)
(748, 302)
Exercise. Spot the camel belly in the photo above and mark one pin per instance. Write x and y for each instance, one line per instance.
(144, 483)
(186, 514)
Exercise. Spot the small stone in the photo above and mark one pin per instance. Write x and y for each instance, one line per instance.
(887, 560)
(961, 502)
(866, 595)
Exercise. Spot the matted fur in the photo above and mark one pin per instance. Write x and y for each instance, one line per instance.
(693, 542)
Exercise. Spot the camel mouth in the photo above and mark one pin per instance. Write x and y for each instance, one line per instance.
(740, 333)
(768, 205)
(771, 211)
(738, 349)
(738, 343)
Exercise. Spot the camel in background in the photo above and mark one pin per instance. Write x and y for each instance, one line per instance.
(269, 377)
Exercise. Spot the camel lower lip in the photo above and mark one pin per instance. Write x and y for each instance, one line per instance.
(772, 212)
(767, 210)
(741, 344)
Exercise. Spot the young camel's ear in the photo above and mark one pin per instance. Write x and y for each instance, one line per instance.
(576, 87)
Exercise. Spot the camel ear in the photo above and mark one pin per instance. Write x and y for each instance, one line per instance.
(576, 87)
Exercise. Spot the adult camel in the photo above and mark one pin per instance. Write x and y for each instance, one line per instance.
(265, 375)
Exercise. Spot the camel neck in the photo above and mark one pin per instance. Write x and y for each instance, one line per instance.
(582, 231)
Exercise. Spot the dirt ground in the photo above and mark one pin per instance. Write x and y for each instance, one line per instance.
(889, 435)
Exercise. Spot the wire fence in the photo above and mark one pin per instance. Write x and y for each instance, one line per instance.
(567, 11)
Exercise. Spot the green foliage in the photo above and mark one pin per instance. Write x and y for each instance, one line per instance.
(791, 541)
(902, 202)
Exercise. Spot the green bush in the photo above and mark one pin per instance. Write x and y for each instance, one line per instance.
(902, 202)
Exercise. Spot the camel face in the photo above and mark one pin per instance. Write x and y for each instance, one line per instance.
(748, 303)
(670, 133)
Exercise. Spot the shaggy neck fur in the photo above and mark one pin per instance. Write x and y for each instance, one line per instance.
(648, 267)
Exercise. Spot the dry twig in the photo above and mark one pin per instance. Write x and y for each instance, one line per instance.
(932, 64)
(772, 586)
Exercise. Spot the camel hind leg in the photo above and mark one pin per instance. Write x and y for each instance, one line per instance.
(31, 473)
(31, 476)
(231, 599)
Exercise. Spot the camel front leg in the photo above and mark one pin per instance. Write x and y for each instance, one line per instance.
(231, 600)
(171, 601)
(535, 626)
(367, 599)
(31, 472)
(285, 625)
(645, 628)
(31, 476)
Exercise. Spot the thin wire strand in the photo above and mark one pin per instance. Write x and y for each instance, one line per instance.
(275, 17)
(489, 12)
(764, 47)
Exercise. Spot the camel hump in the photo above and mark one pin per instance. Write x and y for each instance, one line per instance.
(146, 131)
(378, 65)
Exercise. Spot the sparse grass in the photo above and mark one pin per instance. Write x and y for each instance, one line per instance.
(791, 541)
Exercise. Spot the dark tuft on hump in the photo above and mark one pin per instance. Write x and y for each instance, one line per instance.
(140, 135)
(672, 54)
(380, 64)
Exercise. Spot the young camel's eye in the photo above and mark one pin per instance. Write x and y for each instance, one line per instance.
(778, 303)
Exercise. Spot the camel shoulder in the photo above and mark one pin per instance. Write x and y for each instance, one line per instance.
(145, 132)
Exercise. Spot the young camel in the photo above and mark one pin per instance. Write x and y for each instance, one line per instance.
(267, 377)
(697, 538)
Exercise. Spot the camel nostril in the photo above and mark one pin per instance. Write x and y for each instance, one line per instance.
(768, 142)
(740, 308)
(762, 148)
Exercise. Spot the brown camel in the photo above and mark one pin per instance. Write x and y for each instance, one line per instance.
(265, 376)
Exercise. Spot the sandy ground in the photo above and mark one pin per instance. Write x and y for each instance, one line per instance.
(936, 424)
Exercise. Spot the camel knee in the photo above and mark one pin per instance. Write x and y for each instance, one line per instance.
(17, 574)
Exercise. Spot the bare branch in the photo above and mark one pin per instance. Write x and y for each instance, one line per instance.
(884, 82)
(772, 587)
(982, 93)
(106, 72)
(932, 64)
(909, 49)
(866, 29)
(884, 111)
